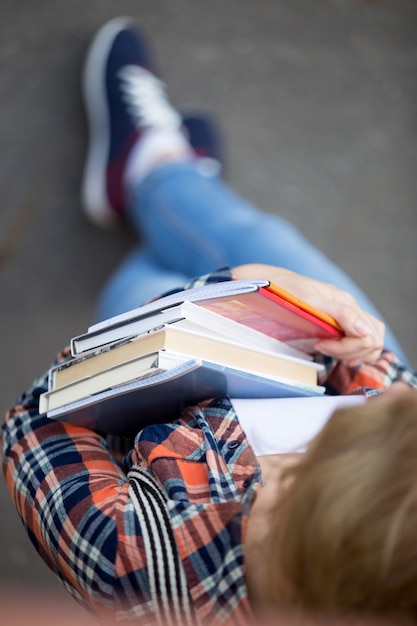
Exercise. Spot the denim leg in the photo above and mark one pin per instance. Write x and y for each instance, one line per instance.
(138, 279)
(193, 224)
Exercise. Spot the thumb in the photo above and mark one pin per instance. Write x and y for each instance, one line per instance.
(351, 318)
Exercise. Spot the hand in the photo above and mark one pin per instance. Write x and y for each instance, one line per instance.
(364, 334)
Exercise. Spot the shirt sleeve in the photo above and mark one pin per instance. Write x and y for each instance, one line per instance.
(221, 275)
(73, 499)
(339, 378)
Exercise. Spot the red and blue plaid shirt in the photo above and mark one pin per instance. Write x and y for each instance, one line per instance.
(183, 492)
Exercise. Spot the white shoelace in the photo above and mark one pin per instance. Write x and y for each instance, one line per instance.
(145, 98)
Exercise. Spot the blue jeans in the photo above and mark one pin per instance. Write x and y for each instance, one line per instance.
(191, 224)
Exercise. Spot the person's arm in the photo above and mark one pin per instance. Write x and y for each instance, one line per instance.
(73, 499)
(371, 378)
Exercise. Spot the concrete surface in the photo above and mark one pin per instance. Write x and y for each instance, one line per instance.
(318, 102)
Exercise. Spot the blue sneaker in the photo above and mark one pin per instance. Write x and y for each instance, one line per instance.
(124, 97)
(205, 138)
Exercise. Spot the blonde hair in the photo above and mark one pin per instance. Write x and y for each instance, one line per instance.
(344, 536)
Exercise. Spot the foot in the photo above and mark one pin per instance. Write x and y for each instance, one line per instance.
(204, 137)
(124, 100)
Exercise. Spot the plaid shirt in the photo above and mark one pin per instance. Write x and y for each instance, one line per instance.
(97, 522)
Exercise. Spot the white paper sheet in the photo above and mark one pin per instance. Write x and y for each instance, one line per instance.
(277, 426)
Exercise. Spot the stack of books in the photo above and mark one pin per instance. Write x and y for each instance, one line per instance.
(246, 339)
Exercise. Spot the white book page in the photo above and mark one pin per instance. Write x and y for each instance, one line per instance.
(281, 425)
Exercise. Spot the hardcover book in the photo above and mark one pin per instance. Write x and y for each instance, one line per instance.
(258, 305)
(127, 408)
(190, 343)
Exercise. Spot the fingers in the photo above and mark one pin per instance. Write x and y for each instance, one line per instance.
(364, 334)
(364, 337)
(353, 350)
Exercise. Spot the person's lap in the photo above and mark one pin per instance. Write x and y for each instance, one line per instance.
(192, 224)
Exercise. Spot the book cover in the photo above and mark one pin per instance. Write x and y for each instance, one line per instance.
(142, 367)
(211, 290)
(258, 305)
(189, 343)
(111, 377)
(126, 409)
(268, 311)
(186, 315)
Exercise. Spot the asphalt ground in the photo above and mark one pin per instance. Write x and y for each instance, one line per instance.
(318, 105)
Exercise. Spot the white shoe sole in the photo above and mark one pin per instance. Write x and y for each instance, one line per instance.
(94, 196)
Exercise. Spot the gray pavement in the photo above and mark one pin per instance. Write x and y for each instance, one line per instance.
(318, 102)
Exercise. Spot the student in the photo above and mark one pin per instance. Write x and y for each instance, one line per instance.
(191, 526)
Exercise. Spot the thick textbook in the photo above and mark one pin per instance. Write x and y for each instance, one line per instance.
(258, 305)
(141, 367)
(159, 398)
(191, 344)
